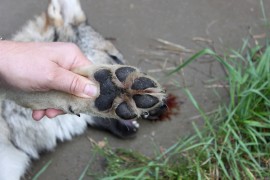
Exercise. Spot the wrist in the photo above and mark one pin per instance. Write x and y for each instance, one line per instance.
(7, 61)
(4, 49)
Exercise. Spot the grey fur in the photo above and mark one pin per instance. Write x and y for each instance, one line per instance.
(22, 138)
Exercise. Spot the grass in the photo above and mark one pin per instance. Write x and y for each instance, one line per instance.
(235, 142)
(42, 170)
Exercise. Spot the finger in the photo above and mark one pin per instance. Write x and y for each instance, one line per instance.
(51, 113)
(38, 114)
(72, 83)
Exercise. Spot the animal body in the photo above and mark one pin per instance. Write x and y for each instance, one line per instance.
(125, 93)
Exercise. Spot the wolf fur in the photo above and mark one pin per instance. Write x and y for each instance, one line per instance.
(22, 138)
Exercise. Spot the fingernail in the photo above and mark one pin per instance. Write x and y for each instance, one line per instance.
(90, 90)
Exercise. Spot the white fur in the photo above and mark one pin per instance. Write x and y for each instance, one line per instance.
(32, 31)
(13, 162)
(34, 136)
(72, 11)
(22, 138)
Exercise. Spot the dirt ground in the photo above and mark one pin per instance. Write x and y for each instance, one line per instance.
(135, 25)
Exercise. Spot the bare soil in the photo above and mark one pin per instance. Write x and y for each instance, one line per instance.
(134, 25)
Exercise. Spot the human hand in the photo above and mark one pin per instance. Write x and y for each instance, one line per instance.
(36, 66)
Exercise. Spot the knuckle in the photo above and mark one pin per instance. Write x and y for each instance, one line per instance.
(72, 47)
(51, 76)
(52, 80)
(75, 85)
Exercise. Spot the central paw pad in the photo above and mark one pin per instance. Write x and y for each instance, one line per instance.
(108, 90)
(126, 93)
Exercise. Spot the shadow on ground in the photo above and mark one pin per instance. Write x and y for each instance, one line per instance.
(134, 25)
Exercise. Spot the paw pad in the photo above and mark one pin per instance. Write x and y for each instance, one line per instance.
(143, 83)
(108, 90)
(124, 111)
(126, 93)
(123, 72)
(145, 101)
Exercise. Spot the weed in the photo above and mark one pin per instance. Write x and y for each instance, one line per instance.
(234, 144)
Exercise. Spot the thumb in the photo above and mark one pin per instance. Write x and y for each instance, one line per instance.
(75, 84)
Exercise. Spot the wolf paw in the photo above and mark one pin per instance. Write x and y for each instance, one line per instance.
(120, 128)
(125, 93)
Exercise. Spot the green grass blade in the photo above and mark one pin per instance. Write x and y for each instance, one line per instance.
(192, 58)
(43, 169)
